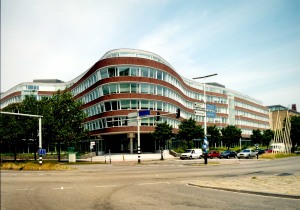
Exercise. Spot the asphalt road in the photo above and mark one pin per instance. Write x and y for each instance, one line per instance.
(151, 185)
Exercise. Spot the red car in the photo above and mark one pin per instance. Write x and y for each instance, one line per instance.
(213, 154)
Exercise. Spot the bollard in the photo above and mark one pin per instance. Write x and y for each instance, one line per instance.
(123, 158)
(205, 158)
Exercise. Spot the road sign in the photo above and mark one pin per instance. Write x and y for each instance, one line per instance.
(211, 114)
(211, 110)
(132, 121)
(144, 112)
(199, 112)
(198, 105)
(210, 107)
(42, 151)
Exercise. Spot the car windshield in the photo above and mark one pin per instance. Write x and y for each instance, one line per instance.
(188, 150)
(246, 150)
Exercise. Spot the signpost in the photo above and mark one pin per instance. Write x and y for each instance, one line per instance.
(91, 147)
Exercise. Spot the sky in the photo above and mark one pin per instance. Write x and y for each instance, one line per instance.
(253, 46)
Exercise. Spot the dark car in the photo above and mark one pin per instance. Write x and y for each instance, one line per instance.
(261, 151)
(227, 154)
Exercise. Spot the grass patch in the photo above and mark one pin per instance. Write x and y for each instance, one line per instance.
(31, 166)
(277, 155)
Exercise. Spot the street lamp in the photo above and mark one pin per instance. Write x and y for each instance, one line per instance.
(211, 75)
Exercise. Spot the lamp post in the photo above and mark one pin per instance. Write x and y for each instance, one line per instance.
(205, 142)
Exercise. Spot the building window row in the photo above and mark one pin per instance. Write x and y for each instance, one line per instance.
(118, 121)
(115, 71)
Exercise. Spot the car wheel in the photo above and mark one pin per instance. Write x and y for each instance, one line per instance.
(238, 157)
(190, 157)
(211, 157)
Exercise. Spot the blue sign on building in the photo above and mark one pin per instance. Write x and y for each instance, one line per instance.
(144, 112)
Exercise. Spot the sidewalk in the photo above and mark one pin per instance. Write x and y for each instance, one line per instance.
(281, 185)
(130, 157)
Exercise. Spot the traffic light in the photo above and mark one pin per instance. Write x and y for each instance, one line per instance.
(157, 116)
(177, 113)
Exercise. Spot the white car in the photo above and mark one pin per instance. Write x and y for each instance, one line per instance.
(191, 154)
(246, 153)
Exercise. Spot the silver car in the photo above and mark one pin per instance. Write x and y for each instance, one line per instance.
(246, 153)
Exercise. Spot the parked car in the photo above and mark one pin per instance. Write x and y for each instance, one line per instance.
(227, 154)
(191, 154)
(268, 151)
(246, 153)
(212, 154)
(261, 151)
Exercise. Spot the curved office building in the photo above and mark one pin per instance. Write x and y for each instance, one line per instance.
(126, 80)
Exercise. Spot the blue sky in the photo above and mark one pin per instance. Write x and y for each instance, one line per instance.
(254, 46)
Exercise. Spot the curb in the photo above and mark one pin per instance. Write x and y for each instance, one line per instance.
(297, 197)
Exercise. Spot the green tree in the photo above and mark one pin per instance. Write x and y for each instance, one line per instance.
(214, 135)
(162, 133)
(65, 120)
(256, 137)
(11, 130)
(231, 135)
(295, 131)
(267, 136)
(189, 130)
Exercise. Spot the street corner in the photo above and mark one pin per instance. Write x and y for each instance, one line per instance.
(276, 185)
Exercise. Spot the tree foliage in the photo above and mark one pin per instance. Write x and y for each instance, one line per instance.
(188, 130)
(295, 131)
(61, 122)
(230, 135)
(162, 133)
(214, 135)
(256, 136)
(267, 136)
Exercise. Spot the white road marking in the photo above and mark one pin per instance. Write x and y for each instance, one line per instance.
(62, 188)
(107, 186)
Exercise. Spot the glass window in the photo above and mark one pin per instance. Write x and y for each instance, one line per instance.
(111, 72)
(152, 105)
(123, 71)
(159, 90)
(134, 87)
(159, 75)
(166, 90)
(144, 104)
(113, 88)
(152, 73)
(109, 122)
(105, 89)
(125, 104)
(134, 71)
(134, 104)
(103, 73)
(124, 88)
(159, 105)
(144, 88)
(144, 72)
(115, 105)
(107, 106)
(152, 89)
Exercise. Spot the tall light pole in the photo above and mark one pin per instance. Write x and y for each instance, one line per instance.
(205, 127)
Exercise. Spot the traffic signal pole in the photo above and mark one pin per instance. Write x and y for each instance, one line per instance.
(40, 129)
